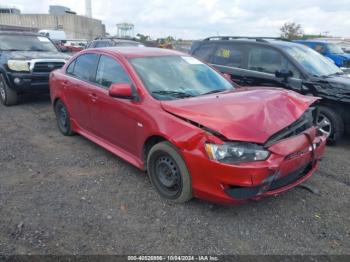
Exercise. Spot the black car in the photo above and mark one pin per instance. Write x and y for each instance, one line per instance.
(113, 41)
(26, 60)
(280, 63)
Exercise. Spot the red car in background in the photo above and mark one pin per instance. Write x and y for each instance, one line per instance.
(195, 133)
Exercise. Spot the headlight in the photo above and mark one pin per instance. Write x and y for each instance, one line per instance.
(236, 152)
(18, 65)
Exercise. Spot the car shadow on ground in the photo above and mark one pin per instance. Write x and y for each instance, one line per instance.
(27, 99)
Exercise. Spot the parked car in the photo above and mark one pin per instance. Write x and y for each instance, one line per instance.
(26, 60)
(330, 50)
(193, 131)
(113, 41)
(280, 63)
(55, 35)
(75, 45)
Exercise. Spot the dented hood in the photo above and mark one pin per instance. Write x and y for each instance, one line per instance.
(250, 115)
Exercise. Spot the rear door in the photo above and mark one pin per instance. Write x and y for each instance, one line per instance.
(81, 73)
(231, 58)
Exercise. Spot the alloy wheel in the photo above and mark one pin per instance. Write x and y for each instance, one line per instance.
(324, 125)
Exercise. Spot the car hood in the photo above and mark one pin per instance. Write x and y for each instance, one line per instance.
(28, 55)
(345, 56)
(340, 81)
(250, 115)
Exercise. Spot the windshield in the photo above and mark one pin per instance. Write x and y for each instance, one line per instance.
(335, 49)
(174, 77)
(311, 61)
(26, 43)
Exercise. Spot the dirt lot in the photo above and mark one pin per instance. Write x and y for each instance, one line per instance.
(65, 195)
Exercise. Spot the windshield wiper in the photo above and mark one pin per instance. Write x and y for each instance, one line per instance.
(213, 91)
(172, 93)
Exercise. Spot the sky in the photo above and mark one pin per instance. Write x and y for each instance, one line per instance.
(194, 19)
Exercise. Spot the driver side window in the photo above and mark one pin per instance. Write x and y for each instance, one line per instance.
(109, 71)
(269, 61)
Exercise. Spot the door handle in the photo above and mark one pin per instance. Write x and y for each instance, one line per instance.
(65, 84)
(93, 97)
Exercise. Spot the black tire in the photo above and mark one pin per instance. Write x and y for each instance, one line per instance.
(8, 97)
(337, 128)
(63, 119)
(168, 173)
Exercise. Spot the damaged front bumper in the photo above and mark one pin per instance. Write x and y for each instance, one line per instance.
(273, 185)
(293, 160)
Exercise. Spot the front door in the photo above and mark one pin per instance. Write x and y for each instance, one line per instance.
(114, 120)
(262, 65)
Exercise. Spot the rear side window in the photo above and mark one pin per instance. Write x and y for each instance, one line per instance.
(204, 52)
(102, 44)
(269, 61)
(229, 55)
(109, 71)
(85, 67)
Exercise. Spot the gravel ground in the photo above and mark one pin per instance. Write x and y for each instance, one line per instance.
(65, 195)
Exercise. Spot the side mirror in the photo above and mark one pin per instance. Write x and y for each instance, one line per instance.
(284, 74)
(122, 90)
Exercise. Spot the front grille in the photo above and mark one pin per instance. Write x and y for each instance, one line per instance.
(306, 121)
(291, 178)
(243, 193)
(46, 67)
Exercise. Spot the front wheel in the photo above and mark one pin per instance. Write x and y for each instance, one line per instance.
(330, 123)
(8, 97)
(168, 173)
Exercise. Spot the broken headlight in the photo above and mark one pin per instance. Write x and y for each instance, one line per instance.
(233, 152)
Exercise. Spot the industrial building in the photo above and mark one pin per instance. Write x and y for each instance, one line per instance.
(58, 18)
(9, 10)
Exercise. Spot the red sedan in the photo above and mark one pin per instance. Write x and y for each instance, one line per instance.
(195, 133)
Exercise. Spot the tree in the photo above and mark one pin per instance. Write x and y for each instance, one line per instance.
(169, 39)
(143, 38)
(291, 31)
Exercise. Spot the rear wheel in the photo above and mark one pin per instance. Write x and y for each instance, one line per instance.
(330, 123)
(168, 173)
(63, 119)
(8, 97)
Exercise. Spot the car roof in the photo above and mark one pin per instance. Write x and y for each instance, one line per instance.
(133, 52)
(9, 32)
(284, 43)
(312, 41)
(261, 41)
(116, 40)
